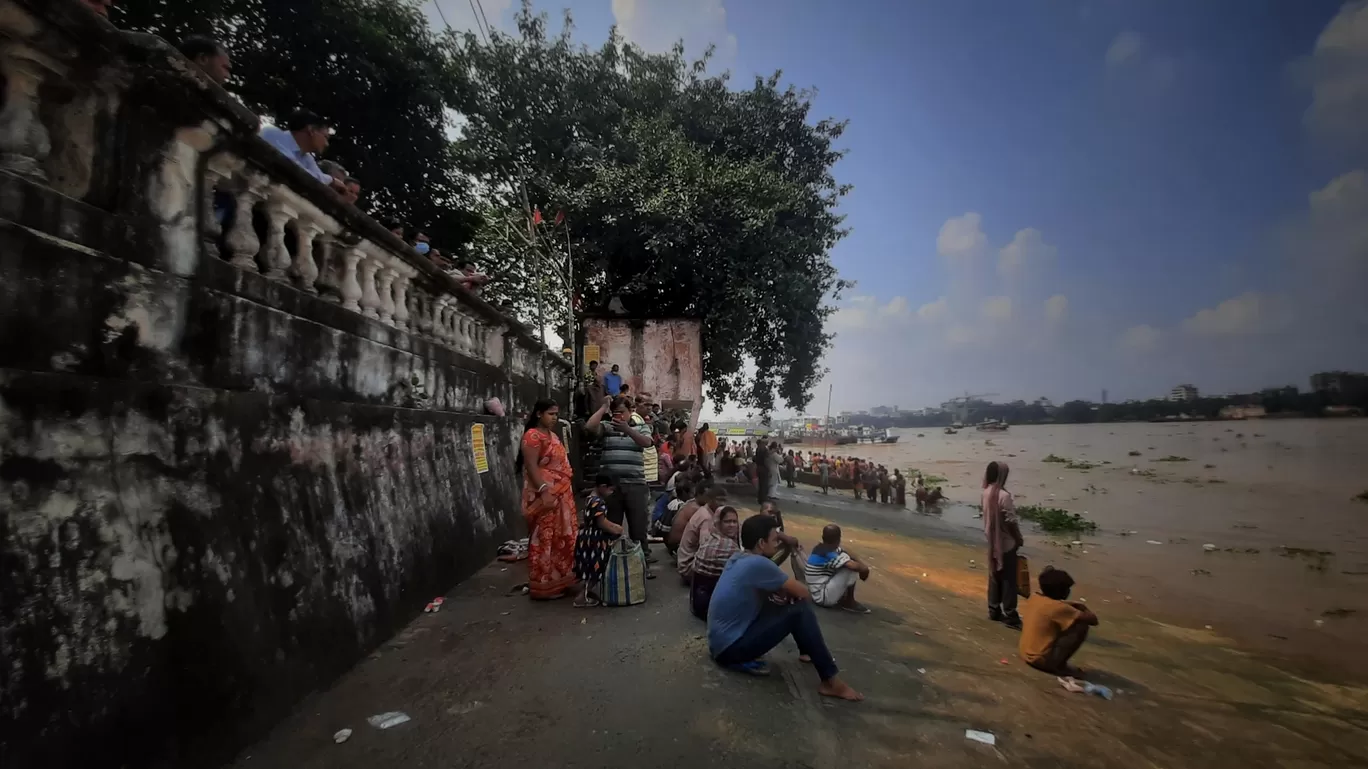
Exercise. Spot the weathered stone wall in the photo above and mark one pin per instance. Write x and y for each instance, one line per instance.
(220, 485)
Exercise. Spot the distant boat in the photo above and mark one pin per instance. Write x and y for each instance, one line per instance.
(890, 439)
(846, 440)
(992, 426)
(951, 431)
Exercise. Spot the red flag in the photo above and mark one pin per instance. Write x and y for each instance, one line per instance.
(560, 218)
(536, 216)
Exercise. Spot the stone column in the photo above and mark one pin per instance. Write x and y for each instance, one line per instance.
(24, 143)
(243, 242)
(305, 269)
(217, 171)
(401, 309)
(350, 287)
(441, 318)
(384, 283)
(370, 299)
(329, 280)
(276, 257)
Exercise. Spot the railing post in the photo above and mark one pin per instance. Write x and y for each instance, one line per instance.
(351, 287)
(401, 310)
(305, 269)
(384, 283)
(243, 242)
(276, 256)
(24, 143)
(370, 300)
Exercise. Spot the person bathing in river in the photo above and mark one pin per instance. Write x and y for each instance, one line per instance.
(1053, 629)
(885, 485)
(857, 478)
(871, 481)
(1003, 532)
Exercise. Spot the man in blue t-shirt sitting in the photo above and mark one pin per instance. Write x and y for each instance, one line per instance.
(743, 624)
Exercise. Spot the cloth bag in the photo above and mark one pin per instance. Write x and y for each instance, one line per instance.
(624, 578)
(1023, 576)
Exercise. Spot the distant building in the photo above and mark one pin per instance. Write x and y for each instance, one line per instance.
(881, 411)
(1343, 385)
(1183, 393)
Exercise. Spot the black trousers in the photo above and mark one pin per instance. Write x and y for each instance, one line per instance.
(1002, 586)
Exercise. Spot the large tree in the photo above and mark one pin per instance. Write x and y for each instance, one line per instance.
(682, 196)
(372, 67)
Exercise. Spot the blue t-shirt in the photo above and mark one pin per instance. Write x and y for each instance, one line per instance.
(612, 383)
(741, 592)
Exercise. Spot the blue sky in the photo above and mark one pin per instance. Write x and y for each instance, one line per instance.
(1052, 197)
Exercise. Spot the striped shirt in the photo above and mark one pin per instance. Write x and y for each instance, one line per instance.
(823, 564)
(622, 457)
(650, 457)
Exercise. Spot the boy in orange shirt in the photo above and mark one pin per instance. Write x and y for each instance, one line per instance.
(1053, 629)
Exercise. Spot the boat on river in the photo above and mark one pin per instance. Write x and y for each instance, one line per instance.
(991, 426)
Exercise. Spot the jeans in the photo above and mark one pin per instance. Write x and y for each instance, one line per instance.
(636, 500)
(776, 623)
(1002, 587)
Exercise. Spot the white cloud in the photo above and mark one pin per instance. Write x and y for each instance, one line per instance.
(896, 308)
(865, 312)
(959, 335)
(1245, 314)
(1124, 48)
(1057, 308)
(961, 236)
(1028, 250)
(463, 18)
(998, 308)
(1142, 338)
(933, 311)
(657, 25)
(1339, 77)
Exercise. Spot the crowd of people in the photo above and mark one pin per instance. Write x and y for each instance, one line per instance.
(732, 569)
(765, 463)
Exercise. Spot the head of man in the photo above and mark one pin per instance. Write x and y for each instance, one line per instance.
(209, 56)
(1055, 583)
(643, 405)
(702, 492)
(621, 409)
(353, 192)
(717, 496)
(593, 366)
(615, 368)
(395, 227)
(831, 535)
(760, 535)
(310, 131)
(625, 388)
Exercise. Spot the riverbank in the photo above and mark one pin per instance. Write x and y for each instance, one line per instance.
(496, 680)
(1289, 571)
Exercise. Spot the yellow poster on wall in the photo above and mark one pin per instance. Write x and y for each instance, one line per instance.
(477, 441)
(591, 353)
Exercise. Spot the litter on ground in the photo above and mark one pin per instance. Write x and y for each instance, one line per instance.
(975, 735)
(387, 720)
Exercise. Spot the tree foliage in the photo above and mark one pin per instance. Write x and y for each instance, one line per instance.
(683, 197)
(372, 67)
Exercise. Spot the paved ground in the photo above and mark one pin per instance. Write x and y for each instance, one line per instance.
(495, 680)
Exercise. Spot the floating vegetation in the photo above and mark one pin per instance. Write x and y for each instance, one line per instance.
(1209, 467)
(1171, 458)
(1080, 464)
(1132, 453)
(1143, 473)
(1054, 519)
(1056, 459)
(931, 479)
(1361, 497)
(1318, 559)
(1339, 613)
(1243, 550)
(1201, 573)
(1215, 480)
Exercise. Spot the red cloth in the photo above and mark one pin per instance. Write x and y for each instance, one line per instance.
(551, 529)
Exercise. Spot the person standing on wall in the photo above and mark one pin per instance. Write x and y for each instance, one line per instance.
(707, 448)
(612, 382)
(622, 460)
(548, 502)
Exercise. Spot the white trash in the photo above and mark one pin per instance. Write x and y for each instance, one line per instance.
(388, 720)
(342, 736)
(986, 738)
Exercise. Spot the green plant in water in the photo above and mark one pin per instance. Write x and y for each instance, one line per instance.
(931, 479)
(1171, 458)
(1056, 459)
(1361, 497)
(1133, 453)
(1054, 519)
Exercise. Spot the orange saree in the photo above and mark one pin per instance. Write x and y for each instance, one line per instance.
(550, 529)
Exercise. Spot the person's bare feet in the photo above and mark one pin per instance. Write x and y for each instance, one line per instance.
(839, 689)
(804, 658)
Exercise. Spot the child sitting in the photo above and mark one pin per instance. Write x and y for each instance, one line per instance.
(1053, 629)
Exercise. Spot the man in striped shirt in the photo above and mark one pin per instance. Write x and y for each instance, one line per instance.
(621, 460)
(832, 572)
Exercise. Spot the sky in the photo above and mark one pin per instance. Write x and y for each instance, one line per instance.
(1056, 197)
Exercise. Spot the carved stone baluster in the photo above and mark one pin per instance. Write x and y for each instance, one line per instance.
(305, 269)
(445, 313)
(329, 281)
(370, 299)
(24, 143)
(429, 304)
(350, 287)
(218, 171)
(243, 242)
(401, 308)
(276, 256)
(465, 343)
(384, 283)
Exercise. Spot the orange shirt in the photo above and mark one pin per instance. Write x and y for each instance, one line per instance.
(1042, 620)
(709, 442)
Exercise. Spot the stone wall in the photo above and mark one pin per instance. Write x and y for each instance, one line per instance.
(231, 464)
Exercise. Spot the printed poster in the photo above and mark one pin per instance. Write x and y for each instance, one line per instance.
(591, 352)
(477, 441)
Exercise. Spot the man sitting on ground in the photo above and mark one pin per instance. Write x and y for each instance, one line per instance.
(1052, 630)
(686, 514)
(832, 572)
(743, 624)
(699, 526)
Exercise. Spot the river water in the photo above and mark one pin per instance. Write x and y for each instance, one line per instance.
(1275, 497)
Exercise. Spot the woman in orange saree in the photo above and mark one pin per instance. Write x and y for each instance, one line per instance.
(548, 505)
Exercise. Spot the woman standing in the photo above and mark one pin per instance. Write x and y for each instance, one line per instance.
(548, 505)
(712, 557)
(595, 540)
(1003, 531)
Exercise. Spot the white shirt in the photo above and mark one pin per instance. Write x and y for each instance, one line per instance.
(284, 141)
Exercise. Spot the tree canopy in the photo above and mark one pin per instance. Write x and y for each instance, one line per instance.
(682, 196)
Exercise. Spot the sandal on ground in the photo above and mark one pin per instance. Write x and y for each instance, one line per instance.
(752, 668)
